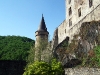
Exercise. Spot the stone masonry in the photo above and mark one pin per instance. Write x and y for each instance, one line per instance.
(82, 71)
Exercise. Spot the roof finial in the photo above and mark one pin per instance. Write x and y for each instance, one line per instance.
(42, 14)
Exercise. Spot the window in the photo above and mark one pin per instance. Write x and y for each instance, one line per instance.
(70, 11)
(70, 22)
(65, 30)
(79, 12)
(69, 1)
(90, 3)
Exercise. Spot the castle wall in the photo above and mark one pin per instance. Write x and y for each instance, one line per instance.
(87, 14)
(93, 15)
(80, 10)
(54, 42)
(62, 31)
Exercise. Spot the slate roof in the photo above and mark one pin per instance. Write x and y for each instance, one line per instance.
(42, 26)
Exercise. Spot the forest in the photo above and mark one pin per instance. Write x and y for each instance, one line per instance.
(15, 47)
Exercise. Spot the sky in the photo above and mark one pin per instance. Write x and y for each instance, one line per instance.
(22, 17)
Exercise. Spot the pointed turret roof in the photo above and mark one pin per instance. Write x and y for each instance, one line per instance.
(42, 26)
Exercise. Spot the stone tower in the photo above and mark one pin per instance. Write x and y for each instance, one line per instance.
(41, 37)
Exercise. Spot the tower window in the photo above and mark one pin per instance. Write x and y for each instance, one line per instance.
(69, 1)
(90, 3)
(79, 12)
(70, 11)
(70, 22)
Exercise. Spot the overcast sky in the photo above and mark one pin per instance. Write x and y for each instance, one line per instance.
(22, 17)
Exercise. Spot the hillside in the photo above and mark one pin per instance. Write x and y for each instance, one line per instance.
(15, 47)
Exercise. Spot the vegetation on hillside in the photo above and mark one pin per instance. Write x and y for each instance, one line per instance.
(15, 47)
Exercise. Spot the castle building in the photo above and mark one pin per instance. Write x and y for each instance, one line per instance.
(41, 38)
(77, 12)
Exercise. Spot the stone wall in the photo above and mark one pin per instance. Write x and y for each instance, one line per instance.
(62, 31)
(82, 71)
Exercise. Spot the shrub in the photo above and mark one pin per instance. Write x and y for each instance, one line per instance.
(44, 68)
(96, 59)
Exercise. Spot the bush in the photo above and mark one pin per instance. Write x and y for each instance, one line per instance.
(96, 59)
(44, 68)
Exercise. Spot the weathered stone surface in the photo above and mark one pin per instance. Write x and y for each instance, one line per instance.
(82, 71)
(89, 37)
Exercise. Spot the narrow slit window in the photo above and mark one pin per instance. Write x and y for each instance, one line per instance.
(70, 22)
(65, 30)
(70, 11)
(79, 12)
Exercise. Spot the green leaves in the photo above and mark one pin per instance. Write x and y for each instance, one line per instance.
(96, 58)
(93, 61)
(44, 68)
(56, 67)
(14, 47)
(37, 68)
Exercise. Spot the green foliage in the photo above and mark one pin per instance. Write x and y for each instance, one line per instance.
(44, 68)
(95, 61)
(56, 68)
(37, 68)
(14, 47)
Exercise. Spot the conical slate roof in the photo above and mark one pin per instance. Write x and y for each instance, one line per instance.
(42, 26)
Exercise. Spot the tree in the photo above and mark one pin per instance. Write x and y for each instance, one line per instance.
(31, 55)
(15, 47)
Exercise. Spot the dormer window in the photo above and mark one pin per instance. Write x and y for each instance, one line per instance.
(90, 3)
(70, 11)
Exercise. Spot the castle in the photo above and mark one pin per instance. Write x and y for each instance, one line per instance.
(77, 12)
